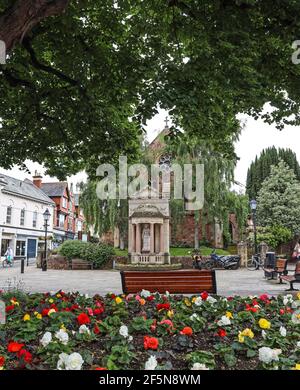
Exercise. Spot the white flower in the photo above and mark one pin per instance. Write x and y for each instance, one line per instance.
(296, 304)
(151, 363)
(298, 344)
(296, 317)
(199, 366)
(124, 331)
(282, 331)
(198, 301)
(62, 336)
(211, 299)
(194, 316)
(287, 299)
(266, 354)
(46, 339)
(84, 330)
(264, 334)
(224, 321)
(73, 361)
(145, 293)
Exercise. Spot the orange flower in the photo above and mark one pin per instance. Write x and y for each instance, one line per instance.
(150, 342)
(14, 347)
(187, 331)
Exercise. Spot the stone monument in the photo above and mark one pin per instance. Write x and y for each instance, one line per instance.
(149, 228)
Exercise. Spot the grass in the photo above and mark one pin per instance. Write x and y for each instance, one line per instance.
(205, 251)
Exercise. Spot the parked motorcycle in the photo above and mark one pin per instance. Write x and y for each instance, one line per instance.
(226, 262)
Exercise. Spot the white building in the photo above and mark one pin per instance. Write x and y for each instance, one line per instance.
(22, 205)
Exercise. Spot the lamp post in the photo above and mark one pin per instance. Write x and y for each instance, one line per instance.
(253, 205)
(46, 216)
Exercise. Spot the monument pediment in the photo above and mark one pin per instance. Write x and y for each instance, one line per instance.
(146, 193)
(147, 210)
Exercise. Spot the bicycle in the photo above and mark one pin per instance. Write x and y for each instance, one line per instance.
(7, 263)
(254, 263)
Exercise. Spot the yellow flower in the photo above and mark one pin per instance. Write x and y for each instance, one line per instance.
(248, 333)
(26, 317)
(63, 327)
(50, 300)
(170, 313)
(50, 312)
(194, 299)
(1, 368)
(142, 301)
(16, 303)
(36, 313)
(39, 316)
(297, 366)
(58, 295)
(298, 295)
(229, 314)
(118, 300)
(187, 302)
(241, 337)
(264, 324)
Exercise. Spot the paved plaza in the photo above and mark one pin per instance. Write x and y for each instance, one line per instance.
(241, 282)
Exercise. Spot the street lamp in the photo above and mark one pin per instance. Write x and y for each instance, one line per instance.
(46, 216)
(253, 206)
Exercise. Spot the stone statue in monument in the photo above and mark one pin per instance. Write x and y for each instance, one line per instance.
(146, 238)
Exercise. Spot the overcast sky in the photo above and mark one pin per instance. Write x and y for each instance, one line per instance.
(256, 136)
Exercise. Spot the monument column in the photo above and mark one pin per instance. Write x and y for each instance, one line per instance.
(151, 237)
(138, 238)
(166, 235)
(130, 237)
(162, 246)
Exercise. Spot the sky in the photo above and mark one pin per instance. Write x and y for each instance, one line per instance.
(255, 137)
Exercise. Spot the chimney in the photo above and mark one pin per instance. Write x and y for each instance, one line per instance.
(37, 179)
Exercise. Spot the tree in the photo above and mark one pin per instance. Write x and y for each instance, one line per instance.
(278, 199)
(82, 76)
(260, 168)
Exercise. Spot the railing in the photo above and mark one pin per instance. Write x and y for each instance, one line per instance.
(147, 259)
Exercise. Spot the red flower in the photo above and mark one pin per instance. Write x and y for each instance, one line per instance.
(74, 307)
(204, 295)
(96, 329)
(281, 311)
(9, 308)
(2, 361)
(14, 347)
(163, 306)
(153, 326)
(150, 298)
(222, 333)
(25, 355)
(100, 368)
(83, 319)
(264, 297)
(45, 312)
(187, 331)
(98, 311)
(250, 308)
(113, 296)
(150, 342)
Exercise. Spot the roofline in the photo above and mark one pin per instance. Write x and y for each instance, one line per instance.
(28, 197)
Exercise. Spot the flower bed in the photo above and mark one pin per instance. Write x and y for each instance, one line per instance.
(72, 332)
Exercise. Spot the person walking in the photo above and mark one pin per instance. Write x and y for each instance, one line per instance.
(9, 254)
(296, 253)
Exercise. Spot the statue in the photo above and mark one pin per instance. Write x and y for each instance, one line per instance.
(146, 238)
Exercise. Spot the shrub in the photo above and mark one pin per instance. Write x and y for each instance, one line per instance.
(97, 254)
(272, 235)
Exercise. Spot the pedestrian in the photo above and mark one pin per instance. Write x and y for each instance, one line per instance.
(9, 254)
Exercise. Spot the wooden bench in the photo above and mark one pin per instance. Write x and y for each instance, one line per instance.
(181, 281)
(292, 278)
(79, 264)
(278, 269)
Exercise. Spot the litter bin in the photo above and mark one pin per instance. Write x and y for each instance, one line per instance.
(270, 262)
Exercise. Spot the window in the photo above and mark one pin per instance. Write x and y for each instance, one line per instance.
(70, 224)
(22, 217)
(65, 203)
(34, 219)
(8, 214)
(21, 248)
(79, 226)
(61, 221)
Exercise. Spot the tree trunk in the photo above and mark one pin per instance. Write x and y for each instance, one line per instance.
(17, 20)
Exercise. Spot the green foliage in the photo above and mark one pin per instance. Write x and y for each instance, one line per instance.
(260, 168)
(202, 357)
(273, 235)
(278, 199)
(78, 86)
(97, 254)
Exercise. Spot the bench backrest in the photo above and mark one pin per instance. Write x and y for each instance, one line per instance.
(281, 265)
(297, 270)
(182, 281)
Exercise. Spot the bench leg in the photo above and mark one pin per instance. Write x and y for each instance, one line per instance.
(292, 287)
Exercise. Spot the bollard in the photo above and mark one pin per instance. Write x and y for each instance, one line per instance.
(22, 265)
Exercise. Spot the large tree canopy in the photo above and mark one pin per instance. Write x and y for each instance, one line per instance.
(83, 75)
